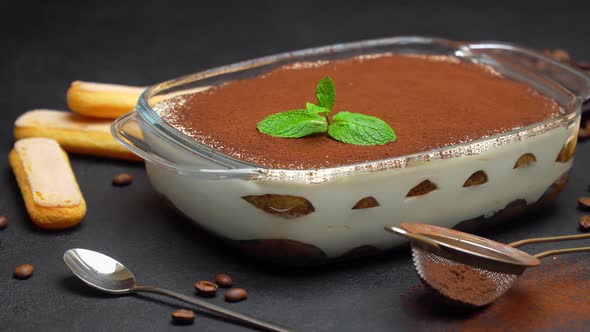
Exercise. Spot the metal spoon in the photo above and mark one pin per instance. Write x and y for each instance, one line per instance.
(108, 275)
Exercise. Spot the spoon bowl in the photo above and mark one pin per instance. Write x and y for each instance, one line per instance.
(100, 271)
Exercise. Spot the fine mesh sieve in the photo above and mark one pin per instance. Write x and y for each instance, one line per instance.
(459, 282)
(469, 269)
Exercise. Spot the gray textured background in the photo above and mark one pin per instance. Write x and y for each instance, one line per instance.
(46, 45)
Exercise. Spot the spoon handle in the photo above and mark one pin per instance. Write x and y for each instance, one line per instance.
(211, 307)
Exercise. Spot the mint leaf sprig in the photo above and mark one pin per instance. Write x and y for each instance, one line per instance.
(347, 127)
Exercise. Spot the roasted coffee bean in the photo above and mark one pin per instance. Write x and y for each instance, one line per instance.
(23, 271)
(236, 295)
(584, 202)
(122, 179)
(582, 65)
(224, 280)
(561, 55)
(206, 288)
(584, 223)
(3, 222)
(557, 54)
(183, 316)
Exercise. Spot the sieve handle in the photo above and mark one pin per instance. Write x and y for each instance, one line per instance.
(549, 239)
(561, 251)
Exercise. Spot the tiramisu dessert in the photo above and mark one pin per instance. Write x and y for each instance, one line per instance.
(309, 160)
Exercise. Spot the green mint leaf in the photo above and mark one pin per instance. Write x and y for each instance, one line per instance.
(360, 129)
(293, 124)
(352, 128)
(325, 92)
(317, 109)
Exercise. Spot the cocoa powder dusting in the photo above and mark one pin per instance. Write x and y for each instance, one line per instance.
(460, 283)
(553, 296)
(430, 102)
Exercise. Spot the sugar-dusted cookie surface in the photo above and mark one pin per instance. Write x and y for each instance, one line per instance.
(102, 100)
(47, 183)
(75, 133)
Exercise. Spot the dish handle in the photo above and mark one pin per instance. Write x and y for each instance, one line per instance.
(572, 79)
(127, 131)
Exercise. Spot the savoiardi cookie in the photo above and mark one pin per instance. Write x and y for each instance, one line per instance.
(75, 133)
(47, 183)
(102, 100)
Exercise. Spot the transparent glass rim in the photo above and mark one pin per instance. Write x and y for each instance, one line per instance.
(235, 168)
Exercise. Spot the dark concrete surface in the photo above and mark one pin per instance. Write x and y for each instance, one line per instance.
(47, 44)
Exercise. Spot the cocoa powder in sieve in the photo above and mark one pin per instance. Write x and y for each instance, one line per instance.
(460, 283)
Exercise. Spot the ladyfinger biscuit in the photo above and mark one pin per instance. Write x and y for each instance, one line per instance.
(48, 186)
(75, 133)
(100, 100)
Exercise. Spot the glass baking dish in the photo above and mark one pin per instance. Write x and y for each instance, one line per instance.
(317, 215)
